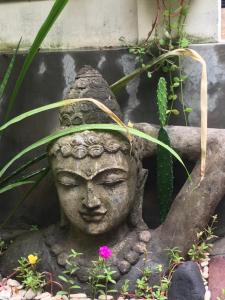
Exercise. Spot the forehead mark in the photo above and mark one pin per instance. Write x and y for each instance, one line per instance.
(84, 175)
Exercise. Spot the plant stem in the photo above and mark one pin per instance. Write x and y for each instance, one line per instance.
(182, 93)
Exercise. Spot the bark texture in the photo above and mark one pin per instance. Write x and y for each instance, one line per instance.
(197, 200)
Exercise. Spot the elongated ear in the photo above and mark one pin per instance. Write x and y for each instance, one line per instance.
(135, 217)
(63, 219)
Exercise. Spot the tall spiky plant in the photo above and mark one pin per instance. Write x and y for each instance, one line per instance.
(164, 158)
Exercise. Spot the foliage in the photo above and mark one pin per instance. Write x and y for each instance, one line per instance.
(175, 256)
(169, 34)
(164, 159)
(200, 250)
(100, 276)
(164, 175)
(203, 100)
(8, 72)
(162, 100)
(29, 276)
(5, 181)
(142, 286)
(71, 268)
(43, 31)
(124, 291)
(222, 297)
(79, 128)
(46, 26)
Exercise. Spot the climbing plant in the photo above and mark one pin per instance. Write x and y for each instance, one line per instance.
(166, 34)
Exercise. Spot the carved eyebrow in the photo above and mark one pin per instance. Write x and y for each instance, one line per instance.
(110, 171)
(63, 172)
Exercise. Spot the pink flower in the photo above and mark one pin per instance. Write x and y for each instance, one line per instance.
(105, 252)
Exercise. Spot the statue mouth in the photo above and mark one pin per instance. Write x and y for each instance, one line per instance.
(93, 216)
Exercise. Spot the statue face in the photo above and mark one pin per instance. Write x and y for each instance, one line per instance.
(96, 194)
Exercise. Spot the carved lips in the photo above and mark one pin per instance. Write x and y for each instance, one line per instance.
(93, 216)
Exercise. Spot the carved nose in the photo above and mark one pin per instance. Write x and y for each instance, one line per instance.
(91, 200)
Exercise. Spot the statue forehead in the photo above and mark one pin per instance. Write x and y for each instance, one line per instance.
(89, 167)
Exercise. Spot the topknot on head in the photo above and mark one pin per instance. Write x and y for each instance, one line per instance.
(89, 83)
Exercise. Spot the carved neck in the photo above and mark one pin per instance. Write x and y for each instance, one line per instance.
(81, 241)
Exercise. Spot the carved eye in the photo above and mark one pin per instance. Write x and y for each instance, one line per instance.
(112, 183)
(68, 180)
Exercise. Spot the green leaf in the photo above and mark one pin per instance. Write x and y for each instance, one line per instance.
(48, 107)
(162, 42)
(166, 13)
(80, 128)
(176, 84)
(175, 112)
(75, 287)
(162, 100)
(188, 109)
(20, 201)
(100, 285)
(46, 26)
(184, 42)
(112, 281)
(172, 97)
(63, 278)
(164, 175)
(61, 293)
(31, 175)
(149, 74)
(15, 185)
(8, 71)
(23, 167)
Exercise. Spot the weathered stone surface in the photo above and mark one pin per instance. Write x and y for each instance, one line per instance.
(145, 236)
(140, 247)
(105, 297)
(29, 294)
(187, 283)
(218, 247)
(124, 266)
(132, 257)
(42, 295)
(78, 295)
(216, 276)
(5, 294)
(100, 182)
(13, 282)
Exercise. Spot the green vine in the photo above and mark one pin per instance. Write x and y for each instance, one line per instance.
(167, 33)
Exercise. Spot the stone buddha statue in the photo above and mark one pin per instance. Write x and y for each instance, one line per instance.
(100, 181)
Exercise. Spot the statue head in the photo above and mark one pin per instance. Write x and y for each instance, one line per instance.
(98, 175)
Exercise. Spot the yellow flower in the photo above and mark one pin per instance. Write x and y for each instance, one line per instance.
(32, 259)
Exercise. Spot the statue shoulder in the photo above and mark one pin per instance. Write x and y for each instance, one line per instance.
(29, 243)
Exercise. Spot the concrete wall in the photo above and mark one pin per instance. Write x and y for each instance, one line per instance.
(97, 23)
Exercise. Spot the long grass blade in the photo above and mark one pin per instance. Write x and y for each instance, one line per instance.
(203, 98)
(14, 185)
(51, 18)
(79, 128)
(8, 71)
(27, 194)
(31, 175)
(23, 168)
(59, 104)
